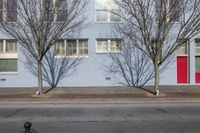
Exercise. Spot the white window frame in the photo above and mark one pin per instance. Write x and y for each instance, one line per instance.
(8, 55)
(107, 10)
(109, 45)
(77, 49)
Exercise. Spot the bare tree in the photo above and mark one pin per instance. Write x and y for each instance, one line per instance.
(41, 22)
(54, 69)
(158, 27)
(131, 66)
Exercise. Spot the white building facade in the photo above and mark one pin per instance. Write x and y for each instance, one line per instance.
(94, 42)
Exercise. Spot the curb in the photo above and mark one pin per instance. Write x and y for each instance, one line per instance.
(102, 101)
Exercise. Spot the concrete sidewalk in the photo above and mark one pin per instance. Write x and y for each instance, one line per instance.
(102, 94)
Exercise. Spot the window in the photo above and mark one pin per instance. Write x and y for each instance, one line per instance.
(108, 45)
(107, 10)
(48, 8)
(72, 47)
(168, 10)
(11, 46)
(55, 10)
(8, 65)
(8, 56)
(1, 10)
(197, 59)
(115, 46)
(197, 49)
(8, 10)
(60, 47)
(182, 50)
(11, 10)
(102, 45)
(61, 10)
(83, 47)
(1, 47)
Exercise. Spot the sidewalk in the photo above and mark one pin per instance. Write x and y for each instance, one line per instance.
(102, 94)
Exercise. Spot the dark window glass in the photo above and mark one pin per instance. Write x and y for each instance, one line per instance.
(1, 10)
(11, 10)
(174, 10)
(8, 65)
(62, 12)
(48, 10)
(71, 47)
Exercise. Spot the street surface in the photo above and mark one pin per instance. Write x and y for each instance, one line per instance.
(101, 118)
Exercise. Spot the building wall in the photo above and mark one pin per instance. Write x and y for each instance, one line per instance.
(91, 72)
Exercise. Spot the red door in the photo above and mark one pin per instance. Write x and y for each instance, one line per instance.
(197, 67)
(182, 69)
(197, 77)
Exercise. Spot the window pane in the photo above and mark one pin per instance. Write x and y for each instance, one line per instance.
(61, 4)
(102, 16)
(197, 64)
(48, 4)
(115, 46)
(8, 65)
(62, 10)
(83, 47)
(101, 4)
(61, 15)
(11, 46)
(174, 10)
(11, 10)
(113, 5)
(159, 15)
(182, 50)
(60, 48)
(115, 17)
(1, 4)
(1, 15)
(71, 47)
(102, 45)
(197, 44)
(160, 10)
(1, 46)
(197, 49)
(11, 15)
(1, 10)
(11, 4)
(48, 10)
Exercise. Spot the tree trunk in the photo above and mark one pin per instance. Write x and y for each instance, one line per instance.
(157, 79)
(40, 83)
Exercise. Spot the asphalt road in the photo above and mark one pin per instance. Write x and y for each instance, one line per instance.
(102, 118)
